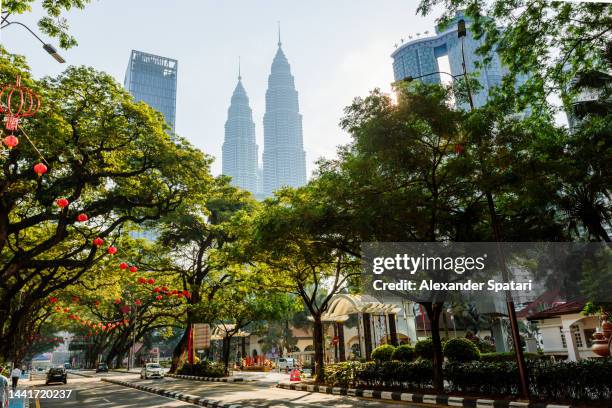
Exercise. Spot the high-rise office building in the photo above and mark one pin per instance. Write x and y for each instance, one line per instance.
(284, 159)
(421, 56)
(152, 79)
(239, 160)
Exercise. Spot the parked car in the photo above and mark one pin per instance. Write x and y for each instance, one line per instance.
(4, 391)
(67, 366)
(56, 375)
(286, 363)
(102, 368)
(152, 370)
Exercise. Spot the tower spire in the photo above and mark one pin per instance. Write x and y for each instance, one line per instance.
(279, 35)
(239, 73)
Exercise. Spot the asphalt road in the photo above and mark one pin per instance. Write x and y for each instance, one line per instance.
(91, 392)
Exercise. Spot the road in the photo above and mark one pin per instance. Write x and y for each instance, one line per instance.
(91, 392)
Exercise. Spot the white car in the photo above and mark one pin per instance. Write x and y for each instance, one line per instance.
(4, 392)
(152, 370)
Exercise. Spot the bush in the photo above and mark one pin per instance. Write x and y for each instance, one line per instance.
(403, 353)
(424, 349)
(461, 350)
(342, 374)
(483, 346)
(383, 353)
(203, 369)
(510, 356)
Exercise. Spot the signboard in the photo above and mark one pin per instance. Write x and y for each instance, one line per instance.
(201, 336)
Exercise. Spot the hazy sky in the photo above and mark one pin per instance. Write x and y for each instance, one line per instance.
(338, 49)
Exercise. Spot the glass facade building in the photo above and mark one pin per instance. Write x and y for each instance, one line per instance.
(152, 79)
(284, 158)
(239, 152)
(421, 56)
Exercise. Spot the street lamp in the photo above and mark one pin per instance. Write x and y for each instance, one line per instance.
(47, 47)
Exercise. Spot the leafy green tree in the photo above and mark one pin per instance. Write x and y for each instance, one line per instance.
(53, 23)
(109, 156)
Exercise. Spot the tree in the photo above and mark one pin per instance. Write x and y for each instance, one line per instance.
(550, 42)
(192, 245)
(109, 156)
(291, 239)
(53, 24)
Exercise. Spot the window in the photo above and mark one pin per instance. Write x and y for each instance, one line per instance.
(577, 336)
(563, 340)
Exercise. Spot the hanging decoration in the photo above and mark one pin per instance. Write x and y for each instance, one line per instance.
(123, 265)
(40, 169)
(151, 281)
(62, 203)
(98, 242)
(82, 217)
(112, 250)
(11, 141)
(17, 102)
(133, 269)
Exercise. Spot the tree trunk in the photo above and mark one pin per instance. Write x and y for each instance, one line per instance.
(226, 353)
(178, 351)
(318, 349)
(433, 313)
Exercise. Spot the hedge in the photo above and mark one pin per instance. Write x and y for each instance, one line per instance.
(405, 353)
(461, 350)
(203, 369)
(585, 380)
(510, 356)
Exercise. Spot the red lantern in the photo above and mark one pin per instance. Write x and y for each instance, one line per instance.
(142, 280)
(187, 294)
(98, 242)
(40, 169)
(159, 297)
(112, 250)
(117, 301)
(174, 292)
(82, 217)
(151, 281)
(125, 309)
(11, 141)
(164, 289)
(137, 302)
(97, 303)
(123, 265)
(26, 104)
(133, 269)
(459, 149)
(157, 290)
(62, 202)
(66, 309)
(52, 299)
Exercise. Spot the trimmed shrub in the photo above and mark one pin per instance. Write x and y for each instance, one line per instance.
(342, 374)
(203, 369)
(510, 356)
(461, 350)
(404, 353)
(424, 349)
(383, 353)
(483, 346)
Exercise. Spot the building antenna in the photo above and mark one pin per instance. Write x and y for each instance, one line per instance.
(279, 34)
(239, 74)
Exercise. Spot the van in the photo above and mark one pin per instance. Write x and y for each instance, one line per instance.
(286, 363)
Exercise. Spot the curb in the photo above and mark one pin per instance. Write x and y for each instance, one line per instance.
(198, 378)
(192, 399)
(446, 400)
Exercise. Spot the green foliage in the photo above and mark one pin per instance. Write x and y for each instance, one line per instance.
(483, 346)
(461, 349)
(585, 380)
(383, 353)
(510, 356)
(424, 349)
(53, 23)
(404, 353)
(203, 369)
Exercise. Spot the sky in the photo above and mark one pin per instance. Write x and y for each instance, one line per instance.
(338, 50)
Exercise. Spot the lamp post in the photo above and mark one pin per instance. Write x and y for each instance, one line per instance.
(516, 340)
(51, 50)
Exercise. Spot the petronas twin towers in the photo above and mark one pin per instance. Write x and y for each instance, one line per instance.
(284, 159)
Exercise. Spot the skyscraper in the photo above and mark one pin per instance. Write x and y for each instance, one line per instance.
(240, 157)
(421, 56)
(284, 159)
(152, 79)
